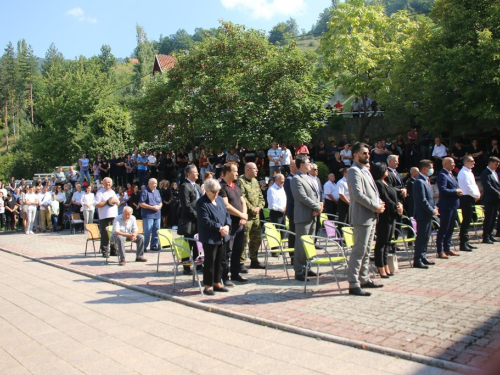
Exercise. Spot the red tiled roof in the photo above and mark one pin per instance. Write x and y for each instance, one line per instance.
(134, 61)
(164, 62)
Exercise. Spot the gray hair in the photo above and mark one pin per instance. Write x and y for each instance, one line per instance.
(211, 185)
(392, 157)
(189, 168)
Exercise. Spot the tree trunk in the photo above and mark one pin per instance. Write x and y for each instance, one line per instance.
(13, 119)
(6, 127)
(31, 102)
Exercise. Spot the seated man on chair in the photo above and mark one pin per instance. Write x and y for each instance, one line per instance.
(125, 227)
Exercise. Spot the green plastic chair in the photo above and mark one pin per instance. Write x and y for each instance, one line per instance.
(182, 251)
(165, 239)
(313, 259)
(276, 245)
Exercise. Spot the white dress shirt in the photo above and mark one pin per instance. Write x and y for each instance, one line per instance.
(276, 198)
(440, 151)
(343, 188)
(467, 183)
(331, 188)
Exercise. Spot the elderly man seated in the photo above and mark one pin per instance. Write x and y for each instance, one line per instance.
(125, 227)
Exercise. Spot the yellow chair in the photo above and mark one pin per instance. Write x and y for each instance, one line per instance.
(405, 239)
(348, 235)
(182, 251)
(276, 244)
(74, 222)
(93, 235)
(480, 220)
(165, 239)
(140, 227)
(313, 259)
(109, 230)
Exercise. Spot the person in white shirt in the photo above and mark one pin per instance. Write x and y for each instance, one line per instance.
(106, 202)
(286, 155)
(275, 157)
(344, 199)
(471, 194)
(44, 201)
(346, 155)
(438, 154)
(87, 201)
(125, 227)
(276, 200)
(331, 195)
(30, 202)
(76, 199)
(53, 208)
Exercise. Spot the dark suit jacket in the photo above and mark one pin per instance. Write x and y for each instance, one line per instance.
(490, 186)
(210, 219)
(409, 201)
(389, 196)
(188, 198)
(290, 202)
(423, 199)
(320, 185)
(393, 181)
(447, 185)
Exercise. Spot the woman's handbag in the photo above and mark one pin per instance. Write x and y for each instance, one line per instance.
(392, 262)
(185, 227)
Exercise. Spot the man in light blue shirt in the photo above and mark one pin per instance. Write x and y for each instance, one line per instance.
(142, 169)
(151, 203)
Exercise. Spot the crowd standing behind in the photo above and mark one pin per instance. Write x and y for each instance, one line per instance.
(369, 186)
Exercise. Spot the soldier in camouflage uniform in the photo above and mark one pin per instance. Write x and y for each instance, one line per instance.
(250, 190)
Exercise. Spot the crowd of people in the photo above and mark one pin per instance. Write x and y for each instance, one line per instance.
(218, 195)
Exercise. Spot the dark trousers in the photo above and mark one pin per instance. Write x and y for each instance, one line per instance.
(423, 234)
(143, 176)
(276, 217)
(343, 209)
(235, 248)
(130, 178)
(54, 219)
(383, 231)
(212, 271)
(446, 225)
(467, 206)
(490, 215)
(11, 221)
(121, 180)
(291, 228)
(104, 234)
(330, 207)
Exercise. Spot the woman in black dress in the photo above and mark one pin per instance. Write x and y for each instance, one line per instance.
(165, 197)
(174, 203)
(104, 169)
(134, 202)
(386, 220)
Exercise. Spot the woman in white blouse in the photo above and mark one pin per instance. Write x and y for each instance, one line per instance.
(88, 207)
(30, 202)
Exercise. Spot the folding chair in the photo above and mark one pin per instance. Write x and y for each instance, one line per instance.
(182, 251)
(480, 220)
(140, 230)
(332, 230)
(405, 239)
(93, 235)
(348, 235)
(275, 242)
(165, 239)
(313, 259)
(75, 220)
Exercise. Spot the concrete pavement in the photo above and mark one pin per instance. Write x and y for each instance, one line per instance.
(56, 322)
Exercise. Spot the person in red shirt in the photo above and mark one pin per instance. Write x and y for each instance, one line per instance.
(339, 107)
(301, 149)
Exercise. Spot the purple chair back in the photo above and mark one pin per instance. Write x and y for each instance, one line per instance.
(330, 229)
(199, 246)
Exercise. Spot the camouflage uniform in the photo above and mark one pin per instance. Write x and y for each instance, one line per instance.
(250, 190)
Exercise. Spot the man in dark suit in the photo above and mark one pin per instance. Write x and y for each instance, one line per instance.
(491, 195)
(314, 174)
(290, 204)
(189, 193)
(393, 178)
(424, 208)
(449, 201)
(414, 172)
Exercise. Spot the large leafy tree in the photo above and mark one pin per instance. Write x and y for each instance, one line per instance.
(233, 87)
(145, 53)
(361, 49)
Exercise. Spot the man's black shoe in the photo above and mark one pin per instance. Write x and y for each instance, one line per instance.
(255, 264)
(239, 279)
(223, 289)
(371, 285)
(493, 239)
(311, 273)
(243, 269)
(359, 292)
(427, 262)
(465, 247)
(300, 277)
(420, 265)
(471, 246)
(488, 241)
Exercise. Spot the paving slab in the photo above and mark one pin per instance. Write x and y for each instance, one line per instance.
(450, 312)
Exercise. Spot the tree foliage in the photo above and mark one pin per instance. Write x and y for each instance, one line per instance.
(362, 47)
(236, 87)
(145, 53)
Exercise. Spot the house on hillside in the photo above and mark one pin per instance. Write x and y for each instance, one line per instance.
(163, 63)
(133, 60)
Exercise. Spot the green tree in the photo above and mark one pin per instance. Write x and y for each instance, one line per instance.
(8, 76)
(236, 87)
(361, 48)
(106, 59)
(145, 53)
(279, 34)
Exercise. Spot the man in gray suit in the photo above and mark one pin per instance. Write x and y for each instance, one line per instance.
(363, 210)
(308, 205)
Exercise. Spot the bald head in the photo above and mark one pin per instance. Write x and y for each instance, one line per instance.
(414, 172)
(448, 164)
(250, 170)
(279, 179)
(293, 167)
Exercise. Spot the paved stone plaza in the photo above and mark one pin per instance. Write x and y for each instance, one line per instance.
(449, 312)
